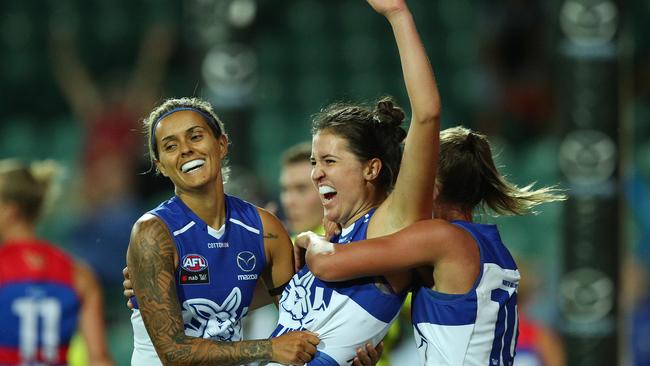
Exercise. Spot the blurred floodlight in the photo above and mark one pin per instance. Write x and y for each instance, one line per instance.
(589, 23)
(586, 296)
(230, 72)
(206, 21)
(241, 13)
(587, 157)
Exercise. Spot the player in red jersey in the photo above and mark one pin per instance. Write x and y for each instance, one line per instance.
(538, 344)
(45, 295)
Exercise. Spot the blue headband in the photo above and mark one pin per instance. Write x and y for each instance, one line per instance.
(214, 126)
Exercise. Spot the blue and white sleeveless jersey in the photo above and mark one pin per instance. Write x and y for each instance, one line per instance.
(346, 315)
(216, 274)
(476, 328)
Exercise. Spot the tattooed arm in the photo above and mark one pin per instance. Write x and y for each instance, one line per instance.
(279, 253)
(151, 259)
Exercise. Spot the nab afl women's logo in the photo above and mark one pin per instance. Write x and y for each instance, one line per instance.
(194, 270)
(194, 263)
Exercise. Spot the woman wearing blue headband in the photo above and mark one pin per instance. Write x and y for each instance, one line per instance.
(195, 259)
(366, 184)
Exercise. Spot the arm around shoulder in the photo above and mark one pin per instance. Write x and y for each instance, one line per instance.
(151, 259)
(416, 245)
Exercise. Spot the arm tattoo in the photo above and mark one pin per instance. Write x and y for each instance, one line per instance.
(270, 236)
(151, 262)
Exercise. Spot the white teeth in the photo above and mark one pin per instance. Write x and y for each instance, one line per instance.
(326, 190)
(192, 164)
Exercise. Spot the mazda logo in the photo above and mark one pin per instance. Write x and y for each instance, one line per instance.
(246, 261)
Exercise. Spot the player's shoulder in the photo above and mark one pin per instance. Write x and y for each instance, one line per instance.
(435, 227)
(275, 235)
(437, 236)
(44, 247)
(149, 228)
(269, 220)
(148, 220)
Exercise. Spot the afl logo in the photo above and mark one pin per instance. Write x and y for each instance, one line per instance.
(246, 261)
(194, 263)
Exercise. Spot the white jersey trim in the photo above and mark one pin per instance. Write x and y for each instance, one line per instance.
(184, 228)
(249, 228)
(217, 234)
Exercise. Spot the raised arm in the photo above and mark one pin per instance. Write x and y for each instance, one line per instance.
(417, 245)
(72, 75)
(279, 254)
(91, 318)
(156, 48)
(151, 261)
(412, 197)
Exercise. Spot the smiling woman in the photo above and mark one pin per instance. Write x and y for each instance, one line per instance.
(190, 152)
(194, 114)
(370, 187)
(194, 260)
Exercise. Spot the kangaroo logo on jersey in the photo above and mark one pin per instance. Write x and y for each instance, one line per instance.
(246, 261)
(194, 270)
(206, 319)
(302, 301)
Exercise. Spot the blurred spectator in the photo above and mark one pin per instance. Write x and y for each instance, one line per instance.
(637, 305)
(109, 112)
(303, 210)
(518, 104)
(299, 197)
(245, 184)
(538, 344)
(636, 300)
(43, 291)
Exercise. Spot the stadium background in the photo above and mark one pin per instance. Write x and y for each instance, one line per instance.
(502, 68)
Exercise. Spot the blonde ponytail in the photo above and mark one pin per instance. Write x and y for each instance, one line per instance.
(32, 187)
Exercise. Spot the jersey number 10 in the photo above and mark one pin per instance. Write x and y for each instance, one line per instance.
(505, 332)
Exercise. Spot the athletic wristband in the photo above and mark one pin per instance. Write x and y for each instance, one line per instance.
(278, 290)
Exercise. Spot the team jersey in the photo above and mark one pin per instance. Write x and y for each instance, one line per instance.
(216, 273)
(476, 328)
(346, 315)
(39, 305)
